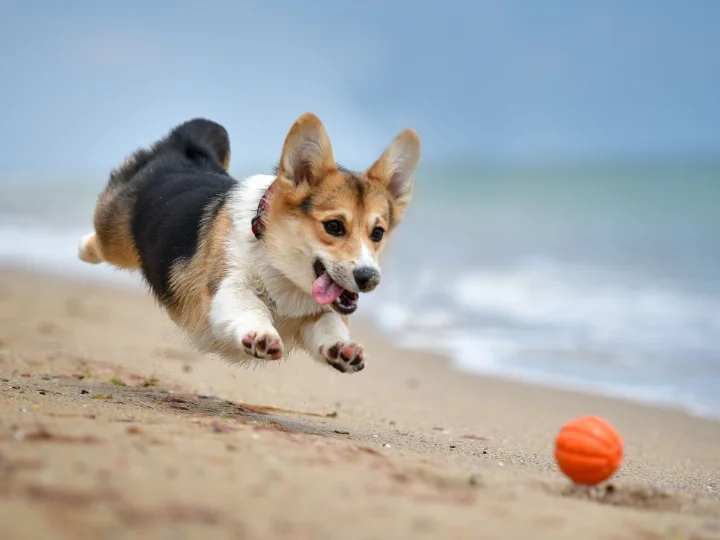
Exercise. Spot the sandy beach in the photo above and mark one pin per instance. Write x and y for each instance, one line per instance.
(111, 427)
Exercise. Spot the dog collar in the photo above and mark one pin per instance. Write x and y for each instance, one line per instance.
(258, 221)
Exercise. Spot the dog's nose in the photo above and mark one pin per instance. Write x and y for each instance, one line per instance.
(366, 278)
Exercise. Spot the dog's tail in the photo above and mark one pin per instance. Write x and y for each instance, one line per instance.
(202, 139)
(199, 140)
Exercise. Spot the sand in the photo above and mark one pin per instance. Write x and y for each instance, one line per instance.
(111, 427)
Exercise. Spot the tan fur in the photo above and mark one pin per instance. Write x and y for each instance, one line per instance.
(362, 201)
(194, 282)
(336, 195)
(114, 242)
(385, 170)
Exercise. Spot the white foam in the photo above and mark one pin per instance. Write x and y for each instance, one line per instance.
(490, 355)
(392, 317)
(32, 246)
(567, 327)
(603, 311)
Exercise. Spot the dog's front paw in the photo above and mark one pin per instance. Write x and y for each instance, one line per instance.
(263, 345)
(345, 356)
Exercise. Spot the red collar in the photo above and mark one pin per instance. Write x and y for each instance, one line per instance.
(258, 222)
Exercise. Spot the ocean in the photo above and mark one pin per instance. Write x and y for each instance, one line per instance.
(601, 278)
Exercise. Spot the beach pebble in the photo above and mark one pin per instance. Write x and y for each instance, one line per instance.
(386, 445)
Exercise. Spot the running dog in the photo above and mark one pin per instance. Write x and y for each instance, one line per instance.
(252, 269)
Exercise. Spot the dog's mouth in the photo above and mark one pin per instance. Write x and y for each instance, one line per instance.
(325, 291)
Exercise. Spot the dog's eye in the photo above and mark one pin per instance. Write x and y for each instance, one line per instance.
(377, 234)
(334, 227)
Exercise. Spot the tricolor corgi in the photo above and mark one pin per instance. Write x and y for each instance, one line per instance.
(252, 269)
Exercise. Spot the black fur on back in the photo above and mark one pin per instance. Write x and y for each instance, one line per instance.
(177, 184)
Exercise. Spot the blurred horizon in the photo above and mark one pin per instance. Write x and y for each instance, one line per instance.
(624, 162)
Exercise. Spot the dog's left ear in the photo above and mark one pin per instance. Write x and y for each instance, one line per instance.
(396, 167)
(307, 155)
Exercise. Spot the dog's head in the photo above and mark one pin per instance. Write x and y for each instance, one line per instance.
(327, 225)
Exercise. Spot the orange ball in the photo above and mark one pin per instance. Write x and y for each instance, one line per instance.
(588, 450)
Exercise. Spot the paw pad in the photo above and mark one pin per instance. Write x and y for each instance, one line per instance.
(347, 357)
(265, 346)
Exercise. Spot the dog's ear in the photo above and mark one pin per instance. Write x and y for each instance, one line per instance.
(396, 167)
(307, 155)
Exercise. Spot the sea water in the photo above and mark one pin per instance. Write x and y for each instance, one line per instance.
(602, 278)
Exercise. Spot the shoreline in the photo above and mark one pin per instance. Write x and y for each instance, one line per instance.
(122, 281)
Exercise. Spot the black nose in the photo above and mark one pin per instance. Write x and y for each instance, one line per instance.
(366, 278)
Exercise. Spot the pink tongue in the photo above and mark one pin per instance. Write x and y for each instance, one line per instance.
(325, 290)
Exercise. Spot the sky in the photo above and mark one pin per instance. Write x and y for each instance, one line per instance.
(84, 82)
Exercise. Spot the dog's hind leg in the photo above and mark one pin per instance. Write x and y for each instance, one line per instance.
(89, 249)
(112, 241)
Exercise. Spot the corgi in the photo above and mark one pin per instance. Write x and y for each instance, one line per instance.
(253, 269)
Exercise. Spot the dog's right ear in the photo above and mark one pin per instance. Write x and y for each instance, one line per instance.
(307, 155)
(396, 167)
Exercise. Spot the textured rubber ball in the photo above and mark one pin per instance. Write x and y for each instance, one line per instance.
(588, 450)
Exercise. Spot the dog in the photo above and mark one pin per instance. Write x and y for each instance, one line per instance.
(253, 269)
